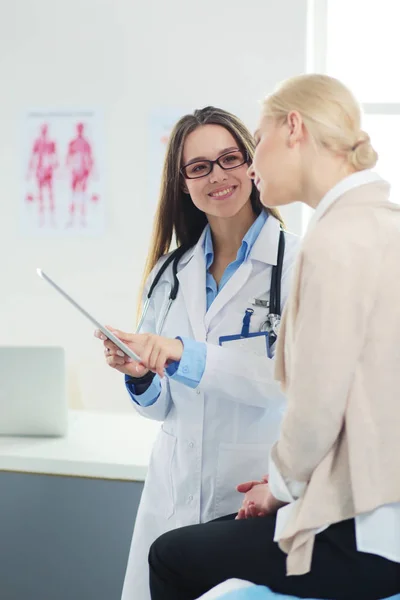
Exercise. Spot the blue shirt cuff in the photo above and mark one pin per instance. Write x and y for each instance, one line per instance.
(189, 370)
(147, 398)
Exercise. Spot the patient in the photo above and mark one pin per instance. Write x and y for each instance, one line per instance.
(327, 524)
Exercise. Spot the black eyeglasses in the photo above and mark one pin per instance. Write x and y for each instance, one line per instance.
(202, 168)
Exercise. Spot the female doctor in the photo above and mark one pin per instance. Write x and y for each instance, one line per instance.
(202, 371)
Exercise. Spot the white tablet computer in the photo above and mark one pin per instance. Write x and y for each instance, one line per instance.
(103, 329)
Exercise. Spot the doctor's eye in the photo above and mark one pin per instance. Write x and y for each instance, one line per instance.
(232, 160)
(198, 168)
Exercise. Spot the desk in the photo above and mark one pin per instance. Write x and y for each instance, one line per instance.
(103, 445)
(68, 507)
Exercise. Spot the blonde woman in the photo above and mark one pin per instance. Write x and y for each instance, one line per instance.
(327, 524)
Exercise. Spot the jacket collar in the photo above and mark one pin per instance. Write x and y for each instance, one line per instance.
(351, 182)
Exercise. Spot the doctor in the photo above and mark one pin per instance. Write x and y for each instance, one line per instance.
(217, 398)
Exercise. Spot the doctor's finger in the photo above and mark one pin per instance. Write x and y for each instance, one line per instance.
(99, 334)
(115, 361)
(140, 370)
(115, 351)
(156, 361)
(123, 335)
(161, 363)
(145, 355)
(153, 356)
(118, 354)
(110, 346)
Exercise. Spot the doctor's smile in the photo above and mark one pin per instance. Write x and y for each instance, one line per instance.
(223, 193)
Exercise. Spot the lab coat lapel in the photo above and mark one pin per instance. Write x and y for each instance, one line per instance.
(192, 279)
(229, 291)
(265, 249)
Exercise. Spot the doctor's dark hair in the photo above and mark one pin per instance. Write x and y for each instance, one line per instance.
(177, 218)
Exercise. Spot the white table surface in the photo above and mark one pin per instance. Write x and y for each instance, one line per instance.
(101, 445)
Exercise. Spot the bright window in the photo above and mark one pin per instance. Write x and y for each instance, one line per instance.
(358, 41)
(363, 46)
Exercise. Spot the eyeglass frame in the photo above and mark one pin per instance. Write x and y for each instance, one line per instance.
(216, 161)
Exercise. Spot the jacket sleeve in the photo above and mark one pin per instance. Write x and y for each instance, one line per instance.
(159, 405)
(189, 370)
(336, 295)
(148, 394)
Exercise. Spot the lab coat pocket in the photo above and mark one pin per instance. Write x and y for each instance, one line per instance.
(159, 488)
(237, 463)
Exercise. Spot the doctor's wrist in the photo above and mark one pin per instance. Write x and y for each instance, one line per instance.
(146, 378)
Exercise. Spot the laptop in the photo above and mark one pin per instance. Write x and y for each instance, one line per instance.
(33, 400)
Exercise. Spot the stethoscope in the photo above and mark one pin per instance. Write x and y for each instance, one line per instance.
(273, 320)
(271, 323)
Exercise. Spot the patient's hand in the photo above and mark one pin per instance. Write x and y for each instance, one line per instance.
(258, 500)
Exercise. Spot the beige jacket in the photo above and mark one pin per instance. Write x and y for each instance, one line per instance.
(338, 360)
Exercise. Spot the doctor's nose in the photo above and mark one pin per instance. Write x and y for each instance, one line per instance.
(218, 175)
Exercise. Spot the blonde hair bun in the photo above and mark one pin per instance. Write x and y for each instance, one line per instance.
(362, 154)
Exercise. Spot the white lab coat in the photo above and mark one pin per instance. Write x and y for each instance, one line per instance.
(220, 434)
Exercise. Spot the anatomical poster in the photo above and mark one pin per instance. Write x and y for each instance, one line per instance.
(63, 173)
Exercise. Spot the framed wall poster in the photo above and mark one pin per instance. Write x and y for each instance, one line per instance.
(63, 173)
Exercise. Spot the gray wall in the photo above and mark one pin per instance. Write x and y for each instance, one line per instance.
(64, 538)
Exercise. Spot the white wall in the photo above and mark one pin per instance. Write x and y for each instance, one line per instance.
(127, 57)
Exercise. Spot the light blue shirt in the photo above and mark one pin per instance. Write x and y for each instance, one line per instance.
(189, 370)
(212, 289)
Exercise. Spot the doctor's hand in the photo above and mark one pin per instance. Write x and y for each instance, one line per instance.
(155, 351)
(258, 500)
(116, 359)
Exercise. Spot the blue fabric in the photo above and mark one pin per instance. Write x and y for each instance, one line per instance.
(189, 370)
(212, 289)
(147, 397)
(193, 362)
(259, 592)
(256, 592)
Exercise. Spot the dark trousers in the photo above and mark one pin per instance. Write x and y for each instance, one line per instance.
(188, 562)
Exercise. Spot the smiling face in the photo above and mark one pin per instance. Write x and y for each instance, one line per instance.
(224, 191)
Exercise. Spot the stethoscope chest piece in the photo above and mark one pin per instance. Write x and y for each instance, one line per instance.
(271, 324)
